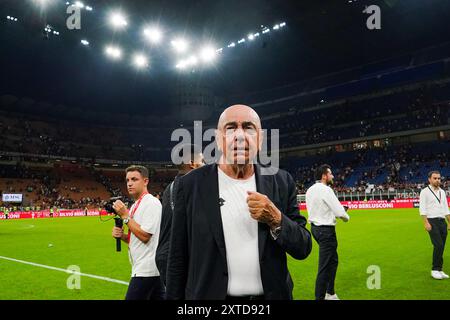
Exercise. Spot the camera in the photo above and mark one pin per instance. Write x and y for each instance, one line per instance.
(109, 205)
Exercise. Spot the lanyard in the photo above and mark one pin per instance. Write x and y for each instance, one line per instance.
(438, 199)
(137, 204)
(133, 211)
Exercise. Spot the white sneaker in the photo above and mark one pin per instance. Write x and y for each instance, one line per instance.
(437, 275)
(444, 276)
(331, 297)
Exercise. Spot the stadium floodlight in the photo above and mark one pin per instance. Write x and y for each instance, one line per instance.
(140, 61)
(117, 20)
(219, 50)
(84, 42)
(192, 61)
(43, 3)
(181, 65)
(153, 34)
(266, 31)
(88, 8)
(251, 37)
(241, 41)
(256, 34)
(208, 54)
(180, 45)
(8, 17)
(283, 24)
(79, 4)
(276, 27)
(232, 45)
(113, 52)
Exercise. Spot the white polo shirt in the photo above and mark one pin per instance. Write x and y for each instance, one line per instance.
(241, 236)
(323, 206)
(142, 255)
(433, 205)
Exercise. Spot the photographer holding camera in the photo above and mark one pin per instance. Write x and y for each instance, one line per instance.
(143, 221)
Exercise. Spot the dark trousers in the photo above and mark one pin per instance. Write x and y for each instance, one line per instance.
(438, 236)
(325, 236)
(145, 288)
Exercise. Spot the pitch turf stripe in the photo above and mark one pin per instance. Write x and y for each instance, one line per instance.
(65, 270)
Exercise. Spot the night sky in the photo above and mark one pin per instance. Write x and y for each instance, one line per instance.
(320, 37)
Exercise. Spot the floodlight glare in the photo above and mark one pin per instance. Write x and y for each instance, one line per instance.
(113, 52)
(117, 20)
(84, 42)
(153, 34)
(180, 45)
(140, 61)
(208, 54)
(42, 3)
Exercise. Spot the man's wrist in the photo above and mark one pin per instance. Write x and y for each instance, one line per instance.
(126, 219)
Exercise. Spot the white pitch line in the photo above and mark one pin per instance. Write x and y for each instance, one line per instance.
(66, 270)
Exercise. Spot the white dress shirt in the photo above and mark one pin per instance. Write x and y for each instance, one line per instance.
(433, 205)
(323, 206)
(142, 255)
(241, 236)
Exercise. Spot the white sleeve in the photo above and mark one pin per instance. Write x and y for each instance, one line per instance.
(151, 216)
(422, 203)
(445, 203)
(332, 201)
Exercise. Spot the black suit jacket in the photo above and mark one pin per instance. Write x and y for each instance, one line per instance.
(197, 266)
(162, 251)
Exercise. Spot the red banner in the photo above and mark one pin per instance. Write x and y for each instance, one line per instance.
(378, 204)
(46, 214)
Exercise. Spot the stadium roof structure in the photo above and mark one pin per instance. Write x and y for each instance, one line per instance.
(41, 58)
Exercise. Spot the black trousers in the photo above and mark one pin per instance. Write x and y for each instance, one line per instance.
(145, 288)
(438, 236)
(325, 236)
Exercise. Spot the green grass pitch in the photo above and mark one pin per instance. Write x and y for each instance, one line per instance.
(393, 240)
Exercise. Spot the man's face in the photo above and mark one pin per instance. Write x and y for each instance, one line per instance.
(435, 180)
(239, 137)
(136, 183)
(329, 177)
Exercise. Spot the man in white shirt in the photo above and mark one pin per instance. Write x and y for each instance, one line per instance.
(143, 220)
(323, 208)
(434, 209)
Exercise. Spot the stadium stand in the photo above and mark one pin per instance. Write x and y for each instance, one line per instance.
(382, 125)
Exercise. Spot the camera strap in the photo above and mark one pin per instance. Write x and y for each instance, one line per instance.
(434, 194)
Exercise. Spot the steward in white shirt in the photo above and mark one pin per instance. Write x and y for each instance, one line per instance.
(323, 208)
(143, 220)
(434, 209)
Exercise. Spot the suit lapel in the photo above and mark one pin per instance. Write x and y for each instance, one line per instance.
(264, 185)
(210, 196)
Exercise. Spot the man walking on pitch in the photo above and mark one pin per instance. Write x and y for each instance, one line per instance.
(434, 209)
(323, 208)
(143, 221)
